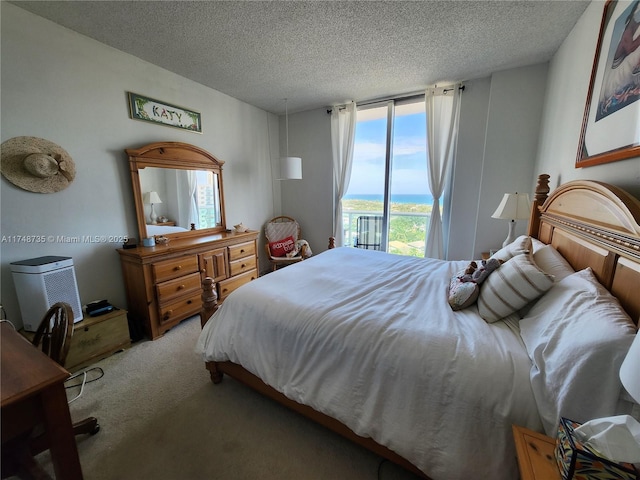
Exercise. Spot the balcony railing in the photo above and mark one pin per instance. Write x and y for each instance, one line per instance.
(407, 231)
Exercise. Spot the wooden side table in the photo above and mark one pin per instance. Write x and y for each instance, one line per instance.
(536, 459)
(95, 338)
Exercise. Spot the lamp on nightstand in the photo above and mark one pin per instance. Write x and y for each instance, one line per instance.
(514, 206)
(152, 197)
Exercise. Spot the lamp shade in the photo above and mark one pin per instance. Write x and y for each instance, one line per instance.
(290, 168)
(514, 206)
(151, 197)
(630, 370)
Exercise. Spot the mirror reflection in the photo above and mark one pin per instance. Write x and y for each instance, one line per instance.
(178, 200)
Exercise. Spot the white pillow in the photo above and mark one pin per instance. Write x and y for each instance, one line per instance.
(513, 285)
(577, 336)
(550, 261)
(537, 244)
(520, 245)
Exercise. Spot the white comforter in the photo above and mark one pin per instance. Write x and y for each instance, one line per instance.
(369, 339)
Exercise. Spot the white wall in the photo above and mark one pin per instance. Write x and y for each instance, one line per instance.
(568, 83)
(67, 88)
(497, 144)
(310, 200)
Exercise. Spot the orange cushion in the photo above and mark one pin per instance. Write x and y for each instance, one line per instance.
(281, 247)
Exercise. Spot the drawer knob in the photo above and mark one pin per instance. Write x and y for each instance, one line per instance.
(243, 265)
(189, 302)
(181, 287)
(168, 314)
(178, 267)
(242, 250)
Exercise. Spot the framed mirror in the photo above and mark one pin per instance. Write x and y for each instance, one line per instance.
(177, 190)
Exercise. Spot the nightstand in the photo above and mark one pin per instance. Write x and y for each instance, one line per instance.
(536, 459)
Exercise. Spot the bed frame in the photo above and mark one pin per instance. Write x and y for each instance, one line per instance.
(590, 223)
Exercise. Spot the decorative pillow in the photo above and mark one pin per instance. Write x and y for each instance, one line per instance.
(513, 285)
(281, 247)
(537, 244)
(550, 260)
(577, 336)
(462, 294)
(520, 245)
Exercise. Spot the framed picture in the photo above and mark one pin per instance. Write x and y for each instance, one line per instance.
(611, 123)
(155, 111)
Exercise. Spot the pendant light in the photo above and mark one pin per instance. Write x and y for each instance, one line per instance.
(290, 167)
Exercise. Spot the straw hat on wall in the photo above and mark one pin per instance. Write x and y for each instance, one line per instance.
(37, 165)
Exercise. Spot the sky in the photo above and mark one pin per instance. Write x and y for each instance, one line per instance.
(409, 171)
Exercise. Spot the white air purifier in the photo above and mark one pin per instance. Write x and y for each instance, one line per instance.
(41, 282)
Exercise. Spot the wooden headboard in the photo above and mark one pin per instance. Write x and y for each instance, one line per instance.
(593, 224)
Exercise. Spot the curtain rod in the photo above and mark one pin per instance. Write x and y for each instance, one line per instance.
(398, 97)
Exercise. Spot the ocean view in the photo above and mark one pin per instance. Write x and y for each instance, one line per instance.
(403, 198)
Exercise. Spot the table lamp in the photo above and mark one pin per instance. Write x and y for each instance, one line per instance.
(514, 206)
(152, 197)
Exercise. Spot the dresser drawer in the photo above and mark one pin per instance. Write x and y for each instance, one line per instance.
(227, 286)
(181, 308)
(178, 286)
(176, 267)
(242, 250)
(243, 265)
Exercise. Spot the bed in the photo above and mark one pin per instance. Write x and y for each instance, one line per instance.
(367, 344)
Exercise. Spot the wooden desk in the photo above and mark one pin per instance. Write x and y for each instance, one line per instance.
(32, 391)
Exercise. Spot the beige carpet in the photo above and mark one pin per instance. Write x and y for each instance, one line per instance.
(162, 418)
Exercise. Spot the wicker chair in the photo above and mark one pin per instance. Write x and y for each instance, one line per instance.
(280, 228)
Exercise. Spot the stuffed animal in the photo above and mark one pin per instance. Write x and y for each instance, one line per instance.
(467, 276)
(478, 273)
(486, 267)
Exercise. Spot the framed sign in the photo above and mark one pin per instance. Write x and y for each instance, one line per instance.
(151, 110)
(611, 122)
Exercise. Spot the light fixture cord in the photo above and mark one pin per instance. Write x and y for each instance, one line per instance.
(286, 123)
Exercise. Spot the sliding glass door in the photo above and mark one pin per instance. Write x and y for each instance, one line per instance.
(388, 201)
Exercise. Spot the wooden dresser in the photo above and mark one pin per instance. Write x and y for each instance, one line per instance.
(163, 283)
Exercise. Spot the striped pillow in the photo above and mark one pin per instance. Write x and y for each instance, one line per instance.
(513, 285)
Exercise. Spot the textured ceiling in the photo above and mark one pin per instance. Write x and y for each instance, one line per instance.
(317, 53)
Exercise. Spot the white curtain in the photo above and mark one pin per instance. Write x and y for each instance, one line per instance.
(343, 132)
(443, 111)
(192, 185)
(186, 184)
